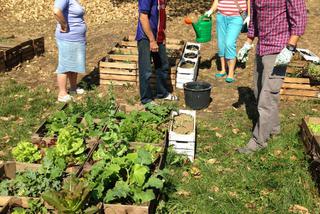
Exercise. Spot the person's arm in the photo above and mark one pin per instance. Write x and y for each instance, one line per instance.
(60, 19)
(214, 5)
(59, 6)
(248, 7)
(144, 19)
(297, 14)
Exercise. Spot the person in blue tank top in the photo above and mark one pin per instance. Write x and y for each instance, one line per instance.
(71, 41)
(151, 44)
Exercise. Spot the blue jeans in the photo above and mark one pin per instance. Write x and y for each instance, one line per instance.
(228, 30)
(161, 64)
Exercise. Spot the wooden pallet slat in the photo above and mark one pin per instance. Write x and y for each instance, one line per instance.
(118, 65)
(295, 88)
(118, 77)
(116, 82)
(299, 86)
(117, 71)
(120, 57)
(295, 92)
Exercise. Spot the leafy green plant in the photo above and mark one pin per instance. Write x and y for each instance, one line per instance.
(26, 152)
(314, 71)
(70, 144)
(315, 128)
(72, 198)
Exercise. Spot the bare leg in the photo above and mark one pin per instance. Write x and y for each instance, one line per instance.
(223, 65)
(231, 65)
(62, 84)
(73, 80)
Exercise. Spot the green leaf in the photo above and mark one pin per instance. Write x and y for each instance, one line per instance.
(140, 196)
(121, 190)
(144, 157)
(138, 174)
(154, 182)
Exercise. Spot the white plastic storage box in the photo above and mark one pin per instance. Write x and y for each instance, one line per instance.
(190, 70)
(183, 143)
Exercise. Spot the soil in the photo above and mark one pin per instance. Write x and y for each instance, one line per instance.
(183, 124)
(187, 64)
(104, 32)
(190, 55)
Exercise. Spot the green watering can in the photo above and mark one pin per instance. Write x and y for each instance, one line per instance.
(202, 27)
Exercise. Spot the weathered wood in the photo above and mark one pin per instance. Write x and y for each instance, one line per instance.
(296, 80)
(118, 71)
(116, 82)
(134, 44)
(129, 78)
(119, 57)
(123, 51)
(168, 40)
(118, 65)
(310, 140)
(300, 86)
(296, 92)
(2, 61)
(125, 209)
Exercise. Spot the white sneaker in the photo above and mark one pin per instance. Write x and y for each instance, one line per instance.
(65, 99)
(171, 97)
(77, 91)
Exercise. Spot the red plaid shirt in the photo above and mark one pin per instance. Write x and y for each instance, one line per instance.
(274, 21)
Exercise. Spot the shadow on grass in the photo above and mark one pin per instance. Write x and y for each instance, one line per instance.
(246, 97)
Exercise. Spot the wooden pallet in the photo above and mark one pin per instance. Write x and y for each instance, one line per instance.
(299, 88)
(2, 61)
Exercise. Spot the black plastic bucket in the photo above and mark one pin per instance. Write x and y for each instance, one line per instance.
(197, 94)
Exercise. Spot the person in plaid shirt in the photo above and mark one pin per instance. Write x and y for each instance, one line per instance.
(278, 26)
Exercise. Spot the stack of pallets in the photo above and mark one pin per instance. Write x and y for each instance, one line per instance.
(120, 66)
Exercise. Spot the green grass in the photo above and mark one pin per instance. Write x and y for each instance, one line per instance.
(22, 109)
(269, 181)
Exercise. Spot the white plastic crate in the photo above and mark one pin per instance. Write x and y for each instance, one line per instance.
(189, 153)
(187, 70)
(183, 143)
(185, 77)
(188, 44)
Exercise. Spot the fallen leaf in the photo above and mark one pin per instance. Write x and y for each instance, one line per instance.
(185, 174)
(215, 129)
(315, 110)
(184, 193)
(212, 161)
(235, 131)
(195, 171)
(277, 152)
(250, 205)
(233, 194)
(219, 135)
(214, 189)
(265, 192)
(207, 148)
(298, 209)
(263, 159)
(293, 158)
(2, 154)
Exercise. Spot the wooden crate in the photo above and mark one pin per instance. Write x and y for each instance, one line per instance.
(8, 169)
(118, 73)
(7, 202)
(27, 50)
(38, 45)
(12, 55)
(310, 140)
(300, 88)
(168, 40)
(2, 61)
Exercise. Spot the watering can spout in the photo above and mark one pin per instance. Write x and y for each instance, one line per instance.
(195, 27)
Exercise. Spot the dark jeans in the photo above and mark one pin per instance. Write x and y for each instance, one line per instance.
(161, 63)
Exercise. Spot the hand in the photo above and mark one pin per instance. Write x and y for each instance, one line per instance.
(64, 28)
(243, 52)
(284, 57)
(208, 13)
(154, 46)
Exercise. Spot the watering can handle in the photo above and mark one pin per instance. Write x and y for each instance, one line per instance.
(204, 17)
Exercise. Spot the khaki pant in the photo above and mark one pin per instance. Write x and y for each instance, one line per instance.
(267, 84)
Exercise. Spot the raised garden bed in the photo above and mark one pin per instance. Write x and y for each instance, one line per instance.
(311, 138)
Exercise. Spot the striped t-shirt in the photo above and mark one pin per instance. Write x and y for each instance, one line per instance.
(229, 7)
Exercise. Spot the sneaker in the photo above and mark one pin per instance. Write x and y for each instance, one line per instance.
(171, 97)
(65, 99)
(251, 147)
(77, 91)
